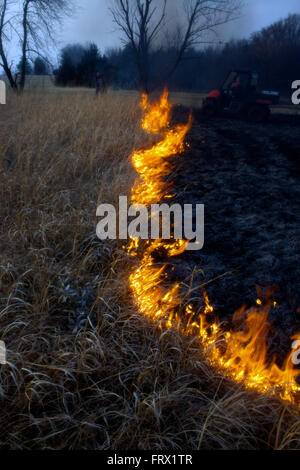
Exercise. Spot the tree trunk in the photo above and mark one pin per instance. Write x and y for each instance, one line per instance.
(7, 70)
(5, 65)
(24, 46)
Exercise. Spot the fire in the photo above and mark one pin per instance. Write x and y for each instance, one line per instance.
(241, 353)
(157, 115)
(152, 164)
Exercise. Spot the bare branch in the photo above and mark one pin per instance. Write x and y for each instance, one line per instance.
(141, 22)
(4, 22)
(202, 16)
(38, 20)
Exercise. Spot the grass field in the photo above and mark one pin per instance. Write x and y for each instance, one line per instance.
(45, 84)
(84, 370)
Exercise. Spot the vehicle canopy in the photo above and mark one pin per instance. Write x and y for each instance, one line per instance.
(246, 78)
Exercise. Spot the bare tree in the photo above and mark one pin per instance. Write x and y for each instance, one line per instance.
(140, 23)
(202, 17)
(32, 23)
(6, 27)
(38, 21)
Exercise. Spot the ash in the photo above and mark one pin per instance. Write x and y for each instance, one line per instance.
(247, 175)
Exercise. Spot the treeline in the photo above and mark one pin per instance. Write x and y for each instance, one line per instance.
(38, 67)
(79, 65)
(274, 52)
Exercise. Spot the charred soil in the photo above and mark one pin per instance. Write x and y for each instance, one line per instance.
(247, 176)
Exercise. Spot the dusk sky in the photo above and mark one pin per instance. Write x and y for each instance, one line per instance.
(92, 22)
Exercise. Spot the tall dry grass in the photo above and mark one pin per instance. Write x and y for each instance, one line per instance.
(84, 370)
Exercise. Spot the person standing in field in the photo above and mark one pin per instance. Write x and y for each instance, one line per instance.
(99, 83)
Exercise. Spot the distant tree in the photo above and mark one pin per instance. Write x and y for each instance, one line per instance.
(32, 24)
(74, 53)
(91, 62)
(38, 20)
(40, 67)
(6, 16)
(135, 20)
(70, 58)
(277, 51)
(79, 65)
(122, 62)
(28, 67)
(141, 22)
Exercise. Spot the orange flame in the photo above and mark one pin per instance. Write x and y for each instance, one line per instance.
(240, 354)
(152, 164)
(157, 115)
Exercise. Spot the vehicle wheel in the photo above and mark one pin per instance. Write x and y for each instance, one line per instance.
(209, 109)
(258, 113)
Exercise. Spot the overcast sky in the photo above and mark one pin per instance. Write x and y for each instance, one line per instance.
(92, 21)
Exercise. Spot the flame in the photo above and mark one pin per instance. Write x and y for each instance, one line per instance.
(152, 165)
(157, 115)
(240, 354)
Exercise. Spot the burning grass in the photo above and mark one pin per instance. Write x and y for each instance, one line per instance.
(85, 371)
(241, 353)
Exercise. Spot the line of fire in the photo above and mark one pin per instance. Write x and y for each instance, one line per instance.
(240, 353)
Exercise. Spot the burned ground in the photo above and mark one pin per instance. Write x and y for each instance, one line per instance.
(247, 175)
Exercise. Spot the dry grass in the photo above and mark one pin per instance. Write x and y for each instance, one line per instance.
(85, 371)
